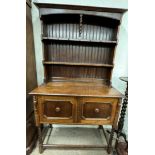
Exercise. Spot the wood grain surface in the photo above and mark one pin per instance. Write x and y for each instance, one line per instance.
(76, 89)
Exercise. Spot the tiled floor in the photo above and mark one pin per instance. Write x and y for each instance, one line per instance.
(73, 135)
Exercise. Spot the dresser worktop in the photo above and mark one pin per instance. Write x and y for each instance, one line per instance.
(76, 89)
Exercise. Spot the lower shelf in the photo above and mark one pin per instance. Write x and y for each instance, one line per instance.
(77, 64)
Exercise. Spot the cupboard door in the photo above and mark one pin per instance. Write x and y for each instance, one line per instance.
(55, 109)
(97, 110)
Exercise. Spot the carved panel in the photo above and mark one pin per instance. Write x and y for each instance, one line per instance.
(57, 108)
(35, 104)
(97, 110)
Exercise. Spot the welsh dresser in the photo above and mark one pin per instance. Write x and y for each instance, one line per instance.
(79, 44)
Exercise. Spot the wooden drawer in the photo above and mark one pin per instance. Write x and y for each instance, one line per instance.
(98, 110)
(78, 110)
(57, 109)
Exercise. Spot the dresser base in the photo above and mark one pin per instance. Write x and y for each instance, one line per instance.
(41, 135)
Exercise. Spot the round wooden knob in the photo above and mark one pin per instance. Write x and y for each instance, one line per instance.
(97, 110)
(57, 109)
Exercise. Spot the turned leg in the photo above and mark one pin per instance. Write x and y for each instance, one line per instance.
(40, 140)
(123, 112)
(100, 127)
(50, 125)
(39, 126)
(109, 149)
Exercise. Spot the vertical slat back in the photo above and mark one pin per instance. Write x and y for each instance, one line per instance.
(66, 32)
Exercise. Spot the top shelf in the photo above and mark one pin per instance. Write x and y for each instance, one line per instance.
(80, 40)
(80, 7)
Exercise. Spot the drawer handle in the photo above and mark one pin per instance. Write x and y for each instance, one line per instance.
(97, 110)
(57, 109)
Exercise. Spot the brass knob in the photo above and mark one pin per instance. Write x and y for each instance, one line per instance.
(97, 110)
(57, 109)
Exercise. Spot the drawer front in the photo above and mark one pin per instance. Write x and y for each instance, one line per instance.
(98, 110)
(57, 109)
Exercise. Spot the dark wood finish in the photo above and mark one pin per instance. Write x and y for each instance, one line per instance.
(123, 110)
(40, 140)
(88, 81)
(122, 148)
(109, 149)
(78, 54)
(31, 136)
(77, 72)
(104, 133)
(86, 41)
(36, 110)
(77, 29)
(48, 11)
(70, 39)
(31, 77)
(80, 7)
(54, 109)
(75, 64)
(31, 82)
(28, 3)
(57, 109)
(97, 110)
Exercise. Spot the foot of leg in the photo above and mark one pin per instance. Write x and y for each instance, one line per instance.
(40, 149)
(40, 140)
(100, 127)
(109, 149)
(50, 125)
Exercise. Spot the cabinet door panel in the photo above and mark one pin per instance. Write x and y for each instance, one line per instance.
(62, 109)
(55, 109)
(97, 110)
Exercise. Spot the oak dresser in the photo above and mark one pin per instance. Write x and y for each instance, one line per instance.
(79, 45)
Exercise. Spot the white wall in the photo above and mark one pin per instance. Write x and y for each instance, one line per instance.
(121, 62)
(107, 3)
(37, 43)
(121, 57)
